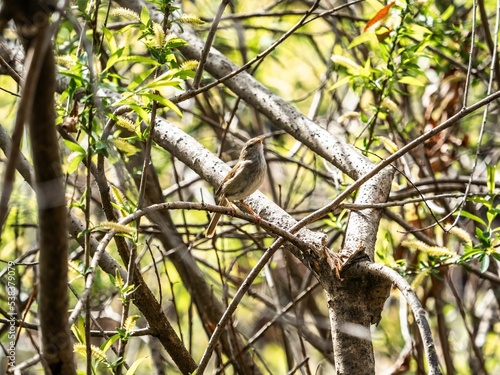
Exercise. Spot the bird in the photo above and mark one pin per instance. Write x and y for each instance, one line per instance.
(242, 180)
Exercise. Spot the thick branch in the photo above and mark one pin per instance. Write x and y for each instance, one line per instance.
(379, 270)
(57, 346)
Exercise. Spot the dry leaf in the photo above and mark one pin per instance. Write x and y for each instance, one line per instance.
(381, 14)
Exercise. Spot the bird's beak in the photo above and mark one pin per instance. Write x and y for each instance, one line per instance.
(261, 139)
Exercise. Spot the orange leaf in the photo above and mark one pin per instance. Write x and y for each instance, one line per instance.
(381, 14)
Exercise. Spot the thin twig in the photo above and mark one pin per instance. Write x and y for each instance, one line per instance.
(208, 44)
(471, 54)
(468, 329)
(485, 111)
(402, 151)
(192, 93)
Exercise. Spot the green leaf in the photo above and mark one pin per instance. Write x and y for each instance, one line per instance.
(101, 147)
(176, 43)
(107, 344)
(491, 169)
(121, 332)
(115, 57)
(412, 81)
(135, 366)
(369, 37)
(480, 200)
(78, 330)
(74, 160)
(119, 57)
(419, 31)
(340, 82)
(163, 101)
(184, 74)
(490, 216)
(485, 263)
(110, 39)
(366, 70)
(129, 290)
(484, 237)
(473, 253)
(140, 59)
(477, 219)
(141, 112)
(115, 363)
(345, 62)
(166, 79)
(140, 79)
(447, 13)
(75, 147)
(145, 16)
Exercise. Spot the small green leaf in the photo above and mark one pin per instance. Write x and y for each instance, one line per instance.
(490, 216)
(166, 79)
(176, 43)
(145, 16)
(369, 37)
(412, 81)
(135, 366)
(477, 219)
(101, 147)
(480, 200)
(482, 235)
(340, 82)
(115, 57)
(129, 290)
(473, 253)
(140, 59)
(345, 62)
(485, 263)
(116, 362)
(184, 74)
(447, 13)
(121, 332)
(490, 169)
(78, 330)
(420, 31)
(165, 102)
(74, 147)
(107, 344)
(140, 79)
(74, 160)
(110, 39)
(141, 112)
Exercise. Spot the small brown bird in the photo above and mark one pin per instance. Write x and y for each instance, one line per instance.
(242, 180)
